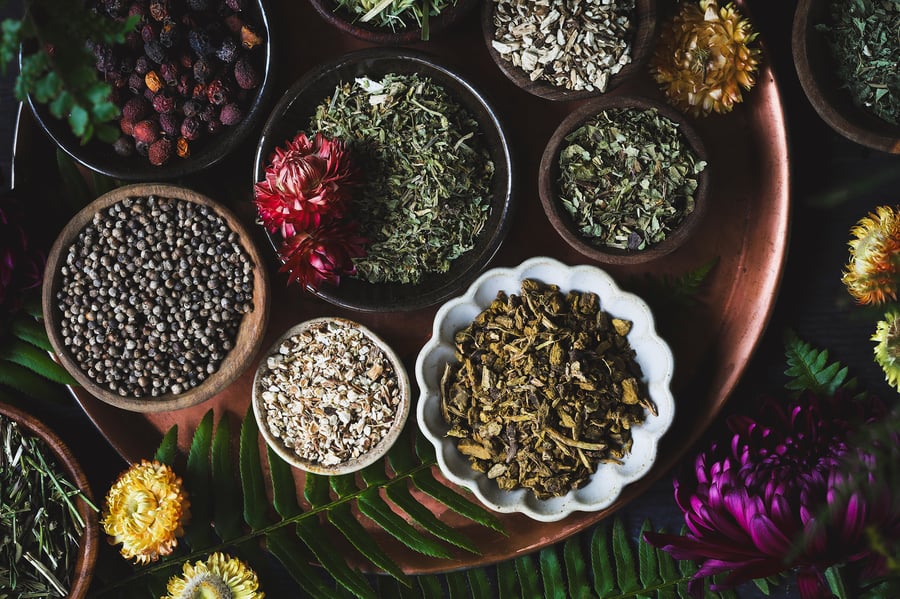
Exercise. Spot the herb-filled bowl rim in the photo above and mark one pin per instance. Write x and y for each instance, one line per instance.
(89, 544)
(562, 222)
(819, 80)
(647, 24)
(249, 336)
(340, 18)
(294, 109)
(100, 157)
(354, 464)
(652, 354)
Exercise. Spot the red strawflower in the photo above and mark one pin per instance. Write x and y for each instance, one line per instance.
(748, 507)
(305, 181)
(322, 254)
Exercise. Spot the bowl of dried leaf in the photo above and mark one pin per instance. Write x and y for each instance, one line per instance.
(625, 179)
(330, 396)
(545, 389)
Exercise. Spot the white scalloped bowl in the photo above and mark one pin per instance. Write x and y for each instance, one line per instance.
(651, 352)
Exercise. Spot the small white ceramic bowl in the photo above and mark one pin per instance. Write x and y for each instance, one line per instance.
(652, 354)
(353, 464)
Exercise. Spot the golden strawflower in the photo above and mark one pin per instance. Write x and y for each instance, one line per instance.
(145, 511)
(887, 351)
(219, 577)
(704, 58)
(873, 272)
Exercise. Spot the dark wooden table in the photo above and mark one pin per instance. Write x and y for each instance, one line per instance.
(834, 184)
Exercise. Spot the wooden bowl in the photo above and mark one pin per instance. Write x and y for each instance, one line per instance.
(292, 114)
(641, 48)
(351, 465)
(83, 571)
(412, 33)
(249, 335)
(206, 152)
(818, 77)
(560, 219)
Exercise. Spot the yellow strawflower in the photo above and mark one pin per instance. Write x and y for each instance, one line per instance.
(219, 577)
(872, 274)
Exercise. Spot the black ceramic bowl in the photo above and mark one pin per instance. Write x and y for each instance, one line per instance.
(343, 20)
(291, 115)
(100, 156)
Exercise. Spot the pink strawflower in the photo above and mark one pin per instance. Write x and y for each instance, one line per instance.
(751, 509)
(322, 254)
(306, 180)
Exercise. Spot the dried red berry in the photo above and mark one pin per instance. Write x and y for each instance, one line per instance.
(203, 69)
(149, 32)
(159, 9)
(235, 5)
(191, 128)
(146, 131)
(163, 102)
(124, 146)
(160, 151)
(136, 84)
(218, 92)
(127, 126)
(142, 65)
(245, 74)
(169, 71)
(231, 114)
(170, 123)
(135, 109)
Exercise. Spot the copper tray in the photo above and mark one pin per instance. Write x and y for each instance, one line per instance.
(746, 229)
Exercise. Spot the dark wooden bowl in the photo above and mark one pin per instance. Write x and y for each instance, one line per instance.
(292, 114)
(641, 48)
(344, 21)
(562, 222)
(249, 336)
(100, 156)
(83, 571)
(818, 77)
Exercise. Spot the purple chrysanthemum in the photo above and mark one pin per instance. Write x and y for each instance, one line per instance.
(751, 509)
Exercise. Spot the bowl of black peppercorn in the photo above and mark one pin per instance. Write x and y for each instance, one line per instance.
(155, 297)
(191, 81)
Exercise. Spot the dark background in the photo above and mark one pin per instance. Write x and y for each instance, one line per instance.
(834, 183)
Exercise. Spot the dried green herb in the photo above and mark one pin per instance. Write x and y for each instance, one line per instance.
(544, 388)
(428, 175)
(395, 14)
(40, 527)
(864, 39)
(628, 178)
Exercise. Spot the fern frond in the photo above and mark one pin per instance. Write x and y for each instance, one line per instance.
(811, 370)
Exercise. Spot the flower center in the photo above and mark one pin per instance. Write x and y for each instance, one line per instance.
(206, 586)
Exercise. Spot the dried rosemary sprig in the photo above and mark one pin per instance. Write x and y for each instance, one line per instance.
(426, 195)
(395, 14)
(40, 526)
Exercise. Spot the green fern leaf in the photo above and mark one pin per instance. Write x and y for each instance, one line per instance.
(341, 516)
(315, 490)
(38, 361)
(624, 557)
(576, 569)
(479, 583)
(649, 566)
(457, 585)
(430, 587)
(168, 447)
(551, 574)
(668, 572)
(73, 189)
(311, 533)
(528, 578)
(27, 382)
(27, 328)
(604, 573)
(507, 584)
(763, 585)
(688, 569)
(284, 491)
(372, 505)
(252, 482)
(402, 498)
(810, 369)
(288, 550)
(227, 494)
(197, 478)
(424, 481)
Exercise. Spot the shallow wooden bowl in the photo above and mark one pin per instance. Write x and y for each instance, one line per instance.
(562, 222)
(83, 572)
(249, 335)
(344, 21)
(818, 77)
(641, 48)
(354, 464)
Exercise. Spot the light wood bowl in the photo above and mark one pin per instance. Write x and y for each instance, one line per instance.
(817, 74)
(562, 222)
(646, 23)
(83, 571)
(249, 335)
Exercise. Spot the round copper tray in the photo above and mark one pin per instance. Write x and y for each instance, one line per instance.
(745, 231)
